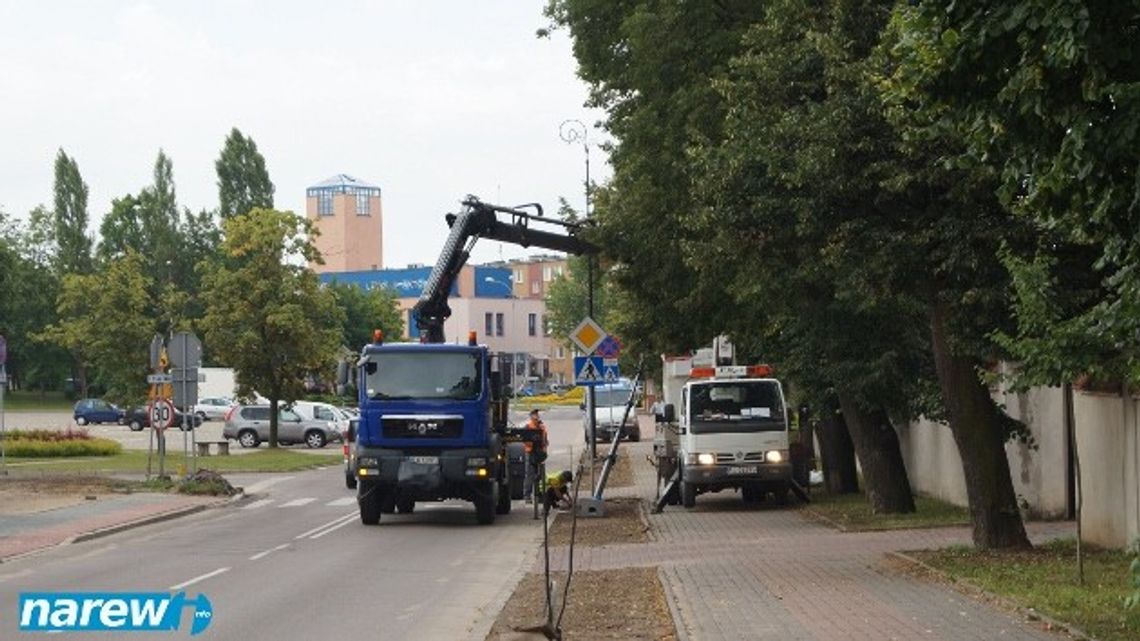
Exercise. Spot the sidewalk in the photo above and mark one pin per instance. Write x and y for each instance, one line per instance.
(732, 571)
(24, 533)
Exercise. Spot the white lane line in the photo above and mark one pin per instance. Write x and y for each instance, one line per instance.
(257, 504)
(325, 525)
(261, 485)
(14, 575)
(262, 555)
(198, 578)
(297, 502)
(338, 526)
(348, 500)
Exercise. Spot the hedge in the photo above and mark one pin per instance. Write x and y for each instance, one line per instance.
(45, 449)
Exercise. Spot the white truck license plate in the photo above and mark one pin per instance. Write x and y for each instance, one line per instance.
(747, 469)
(424, 460)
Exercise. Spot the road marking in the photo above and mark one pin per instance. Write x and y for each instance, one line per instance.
(348, 500)
(348, 519)
(198, 578)
(262, 555)
(325, 525)
(257, 504)
(297, 502)
(267, 483)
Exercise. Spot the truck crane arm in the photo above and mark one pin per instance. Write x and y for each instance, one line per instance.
(481, 220)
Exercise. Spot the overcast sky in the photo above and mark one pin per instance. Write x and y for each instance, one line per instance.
(429, 100)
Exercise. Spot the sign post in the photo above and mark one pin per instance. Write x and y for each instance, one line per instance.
(186, 356)
(160, 412)
(588, 335)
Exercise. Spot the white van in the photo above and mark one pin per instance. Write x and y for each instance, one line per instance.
(609, 408)
(312, 410)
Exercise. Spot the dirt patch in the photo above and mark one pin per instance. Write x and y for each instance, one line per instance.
(620, 476)
(27, 496)
(628, 603)
(622, 523)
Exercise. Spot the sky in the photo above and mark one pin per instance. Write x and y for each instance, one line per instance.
(430, 100)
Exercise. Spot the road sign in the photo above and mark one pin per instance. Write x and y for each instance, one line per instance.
(610, 347)
(161, 413)
(3, 350)
(185, 350)
(587, 335)
(610, 372)
(158, 379)
(588, 370)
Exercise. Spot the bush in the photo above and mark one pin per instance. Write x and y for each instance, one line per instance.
(75, 447)
(51, 436)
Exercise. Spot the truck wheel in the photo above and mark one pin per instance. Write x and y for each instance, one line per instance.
(387, 501)
(368, 497)
(503, 505)
(350, 480)
(688, 494)
(485, 504)
(405, 505)
(781, 494)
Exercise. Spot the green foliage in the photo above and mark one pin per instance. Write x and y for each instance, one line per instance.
(365, 310)
(49, 435)
(103, 321)
(269, 318)
(1046, 94)
(135, 461)
(35, 448)
(243, 181)
(70, 217)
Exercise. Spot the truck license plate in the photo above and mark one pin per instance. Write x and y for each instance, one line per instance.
(424, 460)
(747, 469)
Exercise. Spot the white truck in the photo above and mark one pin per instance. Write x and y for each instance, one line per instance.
(723, 427)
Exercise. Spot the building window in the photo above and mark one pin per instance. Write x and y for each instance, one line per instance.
(487, 327)
(363, 203)
(532, 324)
(534, 287)
(546, 331)
(547, 273)
(561, 352)
(413, 329)
(324, 203)
(498, 324)
(520, 275)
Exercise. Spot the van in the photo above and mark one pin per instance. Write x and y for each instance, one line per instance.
(609, 408)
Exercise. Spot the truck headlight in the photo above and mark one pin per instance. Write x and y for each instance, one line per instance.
(774, 456)
(368, 461)
(706, 459)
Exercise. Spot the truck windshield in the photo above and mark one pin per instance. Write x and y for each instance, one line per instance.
(737, 406)
(611, 396)
(419, 375)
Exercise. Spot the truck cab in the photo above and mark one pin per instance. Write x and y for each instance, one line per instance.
(731, 432)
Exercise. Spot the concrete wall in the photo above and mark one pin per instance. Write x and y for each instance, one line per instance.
(1040, 476)
(1109, 450)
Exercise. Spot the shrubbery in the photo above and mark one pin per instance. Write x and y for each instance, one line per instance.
(52, 443)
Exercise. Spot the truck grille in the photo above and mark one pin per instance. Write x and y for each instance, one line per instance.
(421, 428)
(749, 457)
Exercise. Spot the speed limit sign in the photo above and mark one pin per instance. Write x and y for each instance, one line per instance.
(161, 413)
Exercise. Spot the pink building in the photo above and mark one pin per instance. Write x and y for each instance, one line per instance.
(348, 215)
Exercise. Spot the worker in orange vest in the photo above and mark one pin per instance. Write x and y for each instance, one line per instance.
(536, 453)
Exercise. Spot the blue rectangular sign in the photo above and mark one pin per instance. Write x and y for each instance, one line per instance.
(589, 370)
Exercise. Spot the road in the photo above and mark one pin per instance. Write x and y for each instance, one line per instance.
(294, 562)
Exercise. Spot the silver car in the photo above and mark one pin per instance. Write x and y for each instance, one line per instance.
(213, 408)
(249, 424)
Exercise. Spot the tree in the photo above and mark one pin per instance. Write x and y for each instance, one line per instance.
(103, 322)
(268, 316)
(70, 216)
(365, 310)
(1046, 94)
(121, 230)
(243, 181)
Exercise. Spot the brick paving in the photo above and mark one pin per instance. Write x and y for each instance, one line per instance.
(734, 571)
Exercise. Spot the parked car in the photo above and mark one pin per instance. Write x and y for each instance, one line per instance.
(315, 411)
(350, 453)
(609, 409)
(137, 418)
(96, 410)
(213, 408)
(249, 424)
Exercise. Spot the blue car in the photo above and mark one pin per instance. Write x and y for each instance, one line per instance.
(96, 410)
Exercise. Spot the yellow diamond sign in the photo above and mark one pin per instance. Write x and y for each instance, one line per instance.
(588, 335)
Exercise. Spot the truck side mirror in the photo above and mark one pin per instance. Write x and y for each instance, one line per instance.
(669, 414)
(496, 385)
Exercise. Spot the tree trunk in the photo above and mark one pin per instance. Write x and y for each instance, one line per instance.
(273, 415)
(877, 446)
(837, 455)
(976, 426)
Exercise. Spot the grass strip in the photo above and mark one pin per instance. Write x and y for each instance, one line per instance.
(852, 512)
(1045, 580)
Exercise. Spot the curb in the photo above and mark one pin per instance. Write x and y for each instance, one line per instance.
(971, 589)
(154, 518)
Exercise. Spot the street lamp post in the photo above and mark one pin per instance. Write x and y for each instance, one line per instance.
(571, 131)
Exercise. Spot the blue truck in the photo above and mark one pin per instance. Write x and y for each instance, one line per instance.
(433, 415)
